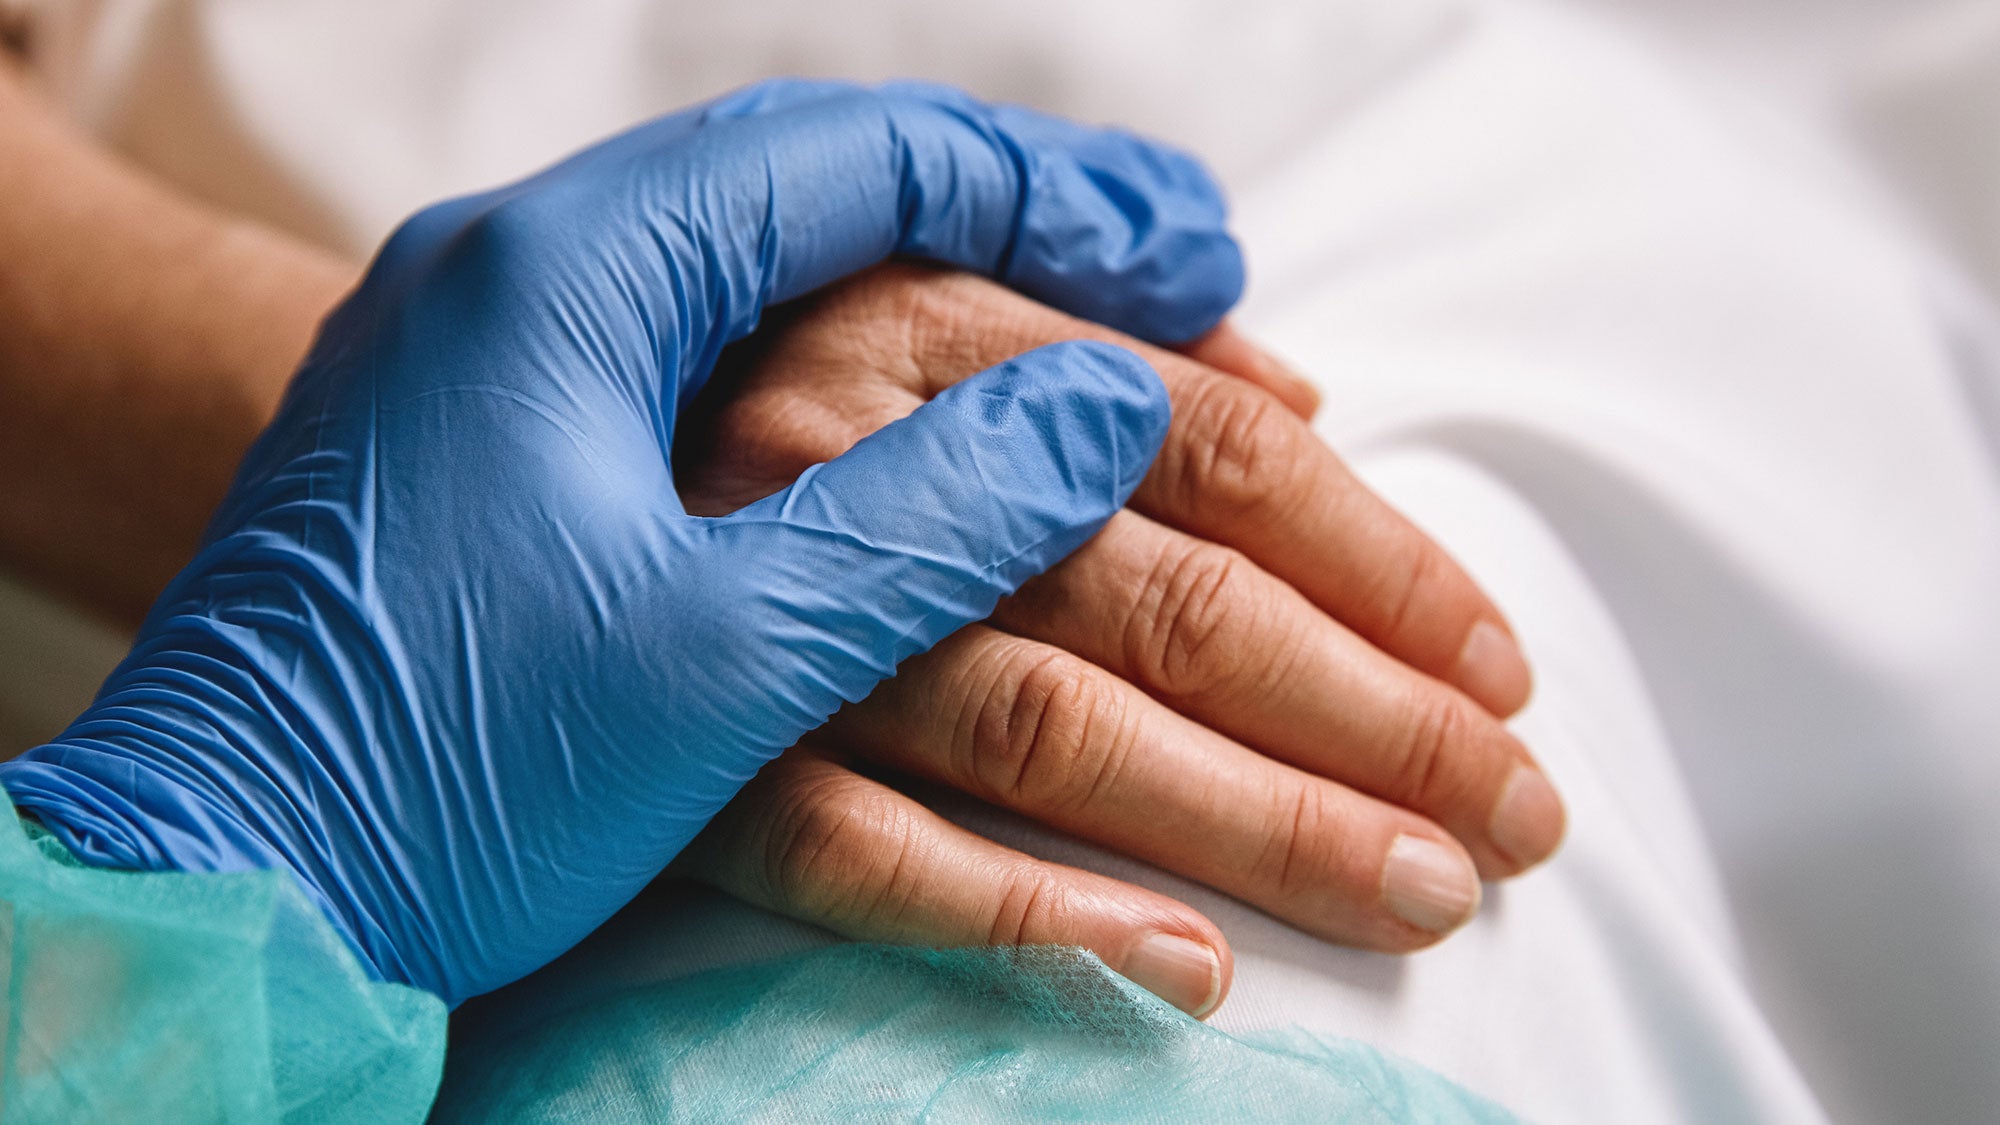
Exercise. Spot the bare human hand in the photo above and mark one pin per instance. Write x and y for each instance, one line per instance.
(1259, 676)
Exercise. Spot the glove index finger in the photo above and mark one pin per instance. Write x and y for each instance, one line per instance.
(924, 525)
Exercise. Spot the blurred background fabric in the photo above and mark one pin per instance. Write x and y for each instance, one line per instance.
(1673, 319)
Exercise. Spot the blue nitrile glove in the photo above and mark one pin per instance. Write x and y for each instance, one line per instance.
(453, 652)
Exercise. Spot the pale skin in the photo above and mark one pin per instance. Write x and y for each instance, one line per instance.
(1259, 676)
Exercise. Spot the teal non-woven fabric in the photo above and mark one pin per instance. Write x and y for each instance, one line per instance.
(863, 1033)
(194, 997)
(166, 996)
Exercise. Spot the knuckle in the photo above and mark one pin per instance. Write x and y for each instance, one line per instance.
(838, 846)
(1243, 451)
(1049, 736)
(1199, 595)
(1438, 731)
(1305, 848)
(1028, 910)
(1401, 591)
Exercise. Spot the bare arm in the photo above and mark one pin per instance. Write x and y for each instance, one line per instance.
(144, 340)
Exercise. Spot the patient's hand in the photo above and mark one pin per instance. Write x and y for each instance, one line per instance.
(1259, 676)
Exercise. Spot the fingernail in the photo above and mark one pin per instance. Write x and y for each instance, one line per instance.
(1528, 818)
(1492, 670)
(1186, 974)
(1428, 885)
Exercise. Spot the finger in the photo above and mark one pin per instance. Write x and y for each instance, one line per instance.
(1229, 351)
(1215, 637)
(1238, 470)
(1032, 728)
(815, 841)
(923, 525)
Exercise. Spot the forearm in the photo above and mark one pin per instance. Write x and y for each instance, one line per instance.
(144, 341)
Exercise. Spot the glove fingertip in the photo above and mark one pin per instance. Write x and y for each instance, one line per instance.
(1094, 376)
(1129, 244)
(1203, 281)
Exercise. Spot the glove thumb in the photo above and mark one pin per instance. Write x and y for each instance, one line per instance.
(924, 525)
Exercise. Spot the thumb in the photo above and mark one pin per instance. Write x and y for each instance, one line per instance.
(924, 525)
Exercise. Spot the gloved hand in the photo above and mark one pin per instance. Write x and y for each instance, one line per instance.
(452, 650)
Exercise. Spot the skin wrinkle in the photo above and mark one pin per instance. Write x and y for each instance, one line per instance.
(796, 840)
(967, 361)
(1237, 449)
(1142, 626)
(1306, 811)
(958, 337)
(799, 872)
(1119, 749)
(1059, 754)
(963, 317)
(1280, 659)
(1022, 900)
(1407, 606)
(1196, 580)
(1051, 713)
(898, 889)
(1000, 711)
(1437, 728)
(915, 310)
(855, 833)
(967, 684)
(1155, 629)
